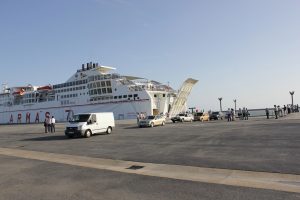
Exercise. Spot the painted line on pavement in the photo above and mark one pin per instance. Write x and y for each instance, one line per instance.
(260, 180)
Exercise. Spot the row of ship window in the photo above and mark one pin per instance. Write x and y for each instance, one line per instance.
(100, 91)
(70, 89)
(68, 96)
(68, 84)
(127, 97)
(103, 77)
(99, 84)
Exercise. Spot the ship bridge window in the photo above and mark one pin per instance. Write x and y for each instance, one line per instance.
(102, 83)
(107, 76)
(130, 95)
(83, 87)
(109, 90)
(120, 97)
(135, 95)
(104, 90)
(108, 83)
(98, 84)
(99, 91)
(91, 78)
(95, 92)
(124, 96)
(115, 97)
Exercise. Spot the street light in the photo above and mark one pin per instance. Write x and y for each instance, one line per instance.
(292, 95)
(220, 99)
(192, 108)
(234, 100)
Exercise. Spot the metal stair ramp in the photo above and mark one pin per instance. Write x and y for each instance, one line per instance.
(179, 105)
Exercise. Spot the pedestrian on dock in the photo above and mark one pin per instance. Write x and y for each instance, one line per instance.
(46, 125)
(276, 111)
(138, 117)
(267, 113)
(240, 113)
(228, 115)
(52, 124)
(246, 114)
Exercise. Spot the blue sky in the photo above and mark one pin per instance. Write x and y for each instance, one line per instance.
(237, 49)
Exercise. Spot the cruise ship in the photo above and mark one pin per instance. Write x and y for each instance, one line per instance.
(92, 88)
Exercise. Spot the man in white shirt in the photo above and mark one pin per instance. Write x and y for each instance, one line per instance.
(52, 124)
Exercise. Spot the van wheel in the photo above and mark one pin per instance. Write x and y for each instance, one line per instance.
(173, 121)
(152, 125)
(87, 134)
(109, 130)
(163, 123)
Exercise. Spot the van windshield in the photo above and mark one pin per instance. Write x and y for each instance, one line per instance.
(80, 118)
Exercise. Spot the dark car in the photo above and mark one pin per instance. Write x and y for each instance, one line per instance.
(216, 116)
(197, 116)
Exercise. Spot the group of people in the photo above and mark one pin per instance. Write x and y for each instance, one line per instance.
(140, 116)
(49, 124)
(280, 112)
(243, 114)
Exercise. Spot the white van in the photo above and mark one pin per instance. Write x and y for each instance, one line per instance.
(87, 124)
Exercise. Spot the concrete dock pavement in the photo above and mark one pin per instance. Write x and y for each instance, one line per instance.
(254, 159)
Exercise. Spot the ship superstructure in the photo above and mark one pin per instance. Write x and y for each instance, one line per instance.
(93, 88)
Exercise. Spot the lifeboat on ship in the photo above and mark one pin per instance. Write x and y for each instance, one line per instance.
(45, 88)
(19, 92)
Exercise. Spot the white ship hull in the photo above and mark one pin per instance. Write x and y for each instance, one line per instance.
(91, 89)
(121, 110)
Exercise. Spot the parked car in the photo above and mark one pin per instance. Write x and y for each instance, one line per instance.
(152, 120)
(217, 116)
(197, 116)
(182, 118)
(205, 117)
(88, 124)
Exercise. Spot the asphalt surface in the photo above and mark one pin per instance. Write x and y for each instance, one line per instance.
(255, 145)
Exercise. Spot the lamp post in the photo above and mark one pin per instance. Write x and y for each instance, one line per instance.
(192, 108)
(220, 99)
(292, 95)
(234, 100)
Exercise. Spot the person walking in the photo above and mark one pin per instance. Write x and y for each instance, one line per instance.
(276, 111)
(279, 111)
(232, 115)
(284, 110)
(137, 118)
(246, 114)
(52, 121)
(46, 126)
(267, 113)
(228, 115)
(48, 120)
(240, 113)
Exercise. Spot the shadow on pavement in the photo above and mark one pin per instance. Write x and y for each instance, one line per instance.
(47, 138)
(132, 127)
